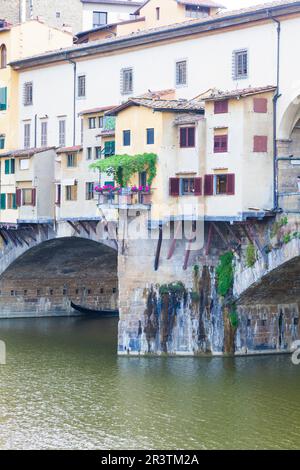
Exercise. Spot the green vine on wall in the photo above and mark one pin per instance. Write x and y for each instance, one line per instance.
(123, 167)
(251, 255)
(225, 273)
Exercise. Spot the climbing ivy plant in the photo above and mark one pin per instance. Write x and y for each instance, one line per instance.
(123, 167)
(225, 273)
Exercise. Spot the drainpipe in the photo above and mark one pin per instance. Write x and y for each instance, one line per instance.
(275, 100)
(74, 100)
(35, 131)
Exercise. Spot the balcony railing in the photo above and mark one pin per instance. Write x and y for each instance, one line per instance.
(124, 198)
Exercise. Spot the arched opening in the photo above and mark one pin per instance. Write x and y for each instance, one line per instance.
(3, 56)
(45, 279)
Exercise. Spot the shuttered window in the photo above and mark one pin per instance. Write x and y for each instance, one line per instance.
(187, 137)
(126, 138)
(27, 130)
(89, 191)
(28, 197)
(44, 133)
(174, 186)
(71, 160)
(2, 142)
(58, 194)
(71, 193)
(126, 81)
(185, 186)
(62, 133)
(9, 166)
(28, 94)
(109, 148)
(260, 105)
(221, 107)
(150, 136)
(219, 184)
(3, 201)
(81, 86)
(3, 56)
(11, 201)
(3, 98)
(181, 73)
(260, 143)
(221, 143)
(92, 123)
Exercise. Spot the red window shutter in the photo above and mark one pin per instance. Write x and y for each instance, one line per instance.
(191, 136)
(174, 186)
(208, 185)
(220, 143)
(260, 143)
(230, 184)
(260, 105)
(18, 197)
(33, 196)
(221, 107)
(198, 186)
(183, 141)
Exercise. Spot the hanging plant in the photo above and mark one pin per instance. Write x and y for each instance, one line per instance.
(225, 273)
(123, 167)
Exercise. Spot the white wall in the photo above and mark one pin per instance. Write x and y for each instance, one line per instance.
(115, 13)
(53, 86)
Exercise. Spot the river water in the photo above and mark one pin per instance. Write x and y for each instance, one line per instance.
(65, 388)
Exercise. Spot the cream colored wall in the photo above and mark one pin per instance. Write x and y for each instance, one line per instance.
(8, 186)
(170, 12)
(81, 208)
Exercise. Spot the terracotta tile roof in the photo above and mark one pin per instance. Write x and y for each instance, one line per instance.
(187, 119)
(165, 94)
(75, 148)
(26, 152)
(214, 94)
(160, 105)
(106, 133)
(101, 109)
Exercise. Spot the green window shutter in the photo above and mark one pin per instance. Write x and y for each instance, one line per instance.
(3, 99)
(2, 143)
(12, 166)
(3, 201)
(7, 167)
(109, 148)
(14, 205)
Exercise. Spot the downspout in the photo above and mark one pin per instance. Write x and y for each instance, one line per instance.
(35, 131)
(74, 99)
(275, 101)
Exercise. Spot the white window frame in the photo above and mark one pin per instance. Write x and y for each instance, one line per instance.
(81, 91)
(22, 165)
(27, 134)
(44, 133)
(62, 133)
(28, 96)
(126, 90)
(177, 63)
(235, 74)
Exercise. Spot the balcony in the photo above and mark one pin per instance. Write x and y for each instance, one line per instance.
(124, 198)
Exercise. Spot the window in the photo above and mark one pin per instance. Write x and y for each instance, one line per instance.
(81, 86)
(2, 142)
(296, 321)
(24, 163)
(44, 133)
(28, 94)
(150, 136)
(89, 153)
(89, 191)
(240, 64)
(58, 14)
(101, 122)
(27, 128)
(157, 13)
(260, 143)
(99, 18)
(126, 138)
(71, 160)
(187, 186)
(109, 148)
(28, 197)
(181, 73)
(126, 81)
(221, 143)
(3, 201)
(98, 151)
(187, 137)
(58, 195)
(195, 11)
(9, 166)
(62, 133)
(11, 201)
(71, 193)
(3, 56)
(92, 123)
(219, 184)
(221, 107)
(3, 99)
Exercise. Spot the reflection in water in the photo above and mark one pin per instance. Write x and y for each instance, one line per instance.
(64, 387)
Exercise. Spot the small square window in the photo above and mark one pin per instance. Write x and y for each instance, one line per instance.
(187, 137)
(221, 107)
(221, 143)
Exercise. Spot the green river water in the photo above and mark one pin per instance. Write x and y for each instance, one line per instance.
(64, 387)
